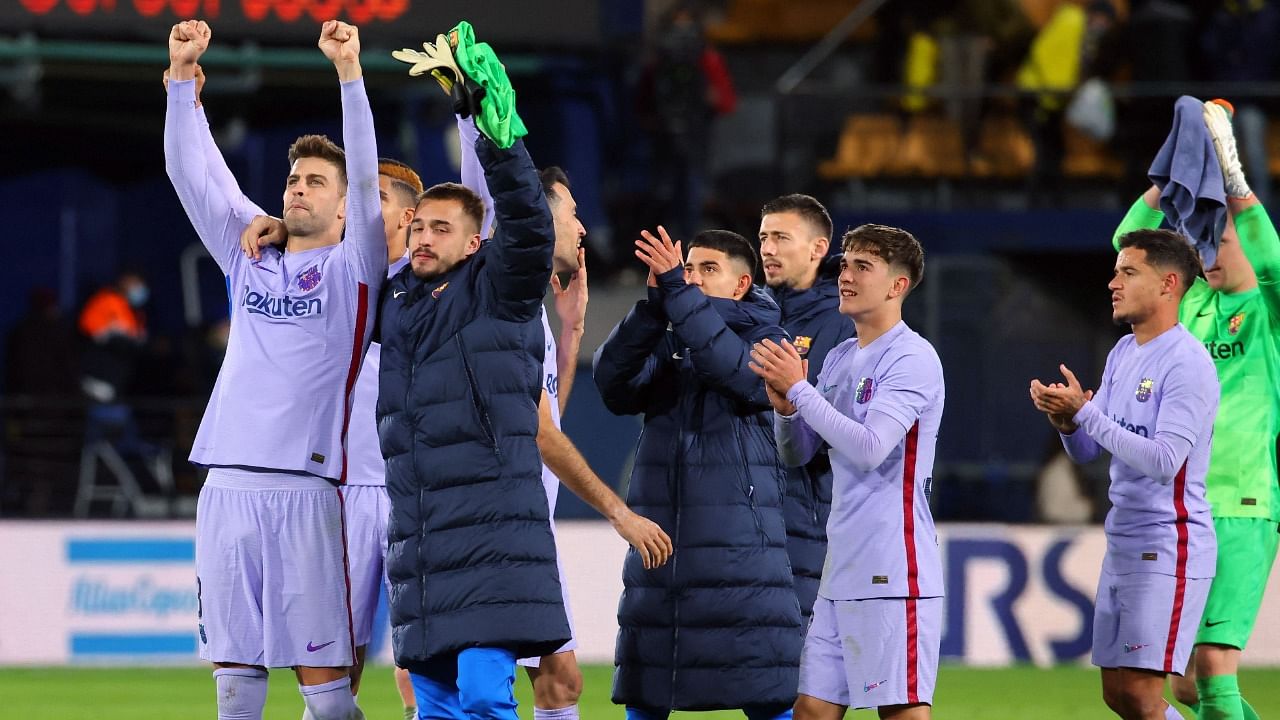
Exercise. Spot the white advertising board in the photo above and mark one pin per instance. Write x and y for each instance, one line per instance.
(124, 593)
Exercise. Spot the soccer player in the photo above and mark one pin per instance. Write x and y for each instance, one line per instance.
(365, 502)
(1153, 412)
(1235, 312)
(719, 626)
(877, 620)
(365, 496)
(795, 233)
(270, 559)
(556, 677)
(472, 560)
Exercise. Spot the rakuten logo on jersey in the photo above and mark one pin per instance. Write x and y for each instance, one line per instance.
(278, 306)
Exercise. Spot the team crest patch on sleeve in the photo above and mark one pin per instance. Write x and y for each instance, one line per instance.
(1233, 325)
(862, 395)
(802, 344)
(308, 279)
(1144, 389)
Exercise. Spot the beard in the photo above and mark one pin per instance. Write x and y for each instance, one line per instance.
(303, 225)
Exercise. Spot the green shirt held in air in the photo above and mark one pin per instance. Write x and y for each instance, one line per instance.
(1241, 331)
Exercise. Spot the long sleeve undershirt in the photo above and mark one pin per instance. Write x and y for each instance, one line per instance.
(1158, 457)
(866, 444)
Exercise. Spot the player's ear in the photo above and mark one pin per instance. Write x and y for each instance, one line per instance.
(473, 244)
(744, 285)
(901, 284)
(406, 217)
(820, 248)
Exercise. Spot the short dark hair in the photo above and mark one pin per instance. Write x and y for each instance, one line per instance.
(550, 176)
(471, 203)
(320, 146)
(806, 206)
(729, 243)
(404, 181)
(893, 245)
(1166, 250)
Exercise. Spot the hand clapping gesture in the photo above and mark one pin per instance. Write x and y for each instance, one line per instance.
(1060, 402)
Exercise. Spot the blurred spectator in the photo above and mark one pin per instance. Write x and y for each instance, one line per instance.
(1063, 494)
(1061, 56)
(1239, 44)
(686, 84)
(115, 326)
(42, 351)
(1158, 39)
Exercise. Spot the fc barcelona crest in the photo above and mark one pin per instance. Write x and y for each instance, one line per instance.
(308, 279)
(1233, 325)
(862, 395)
(436, 293)
(1144, 389)
(802, 344)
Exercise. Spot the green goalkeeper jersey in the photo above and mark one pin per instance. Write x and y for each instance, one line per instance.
(1241, 331)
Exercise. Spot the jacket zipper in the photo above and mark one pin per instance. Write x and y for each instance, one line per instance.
(413, 451)
(483, 411)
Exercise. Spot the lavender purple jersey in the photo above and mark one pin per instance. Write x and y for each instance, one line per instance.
(300, 321)
(1154, 412)
(878, 408)
(364, 457)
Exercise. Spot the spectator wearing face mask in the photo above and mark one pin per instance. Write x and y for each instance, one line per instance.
(114, 324)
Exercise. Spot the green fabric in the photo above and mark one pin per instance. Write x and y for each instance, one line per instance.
(1247, 709)
(1139, 217)
(1246, 551)
(498, 119)
(1241, 331)
(1219, 698)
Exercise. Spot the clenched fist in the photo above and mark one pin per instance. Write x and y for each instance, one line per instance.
(340, 42)
(187, 42)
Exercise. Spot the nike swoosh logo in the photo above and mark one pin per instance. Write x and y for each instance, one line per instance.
(828, 388)
(1204, 314)
(676, 356)
(1215, 622)
(398, 293)
(321, 646)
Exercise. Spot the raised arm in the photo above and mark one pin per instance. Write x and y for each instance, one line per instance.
(1144, 214)
(1261, 246)
(626, 363)
(719, 356)
(218, 169)
(365, 246)
(217, 217)
(524, 235)
(473, 172)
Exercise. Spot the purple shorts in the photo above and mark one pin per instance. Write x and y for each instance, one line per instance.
(367, 507)
(1147, 620)
(271, 571)
(872, 653)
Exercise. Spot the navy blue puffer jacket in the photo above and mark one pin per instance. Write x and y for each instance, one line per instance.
(471, 559)
(719, 625)
(813, 318)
